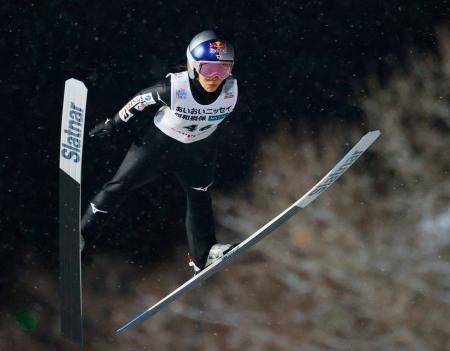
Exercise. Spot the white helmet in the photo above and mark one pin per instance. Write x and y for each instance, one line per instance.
(206, 46)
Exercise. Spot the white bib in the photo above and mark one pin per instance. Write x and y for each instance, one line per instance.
(188, 121)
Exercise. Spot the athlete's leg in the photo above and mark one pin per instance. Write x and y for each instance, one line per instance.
(199, 225)
(196, 177)
(138, 167)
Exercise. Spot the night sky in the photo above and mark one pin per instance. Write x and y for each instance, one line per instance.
(296, 61)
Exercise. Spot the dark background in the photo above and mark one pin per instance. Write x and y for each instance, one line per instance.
(293, 58)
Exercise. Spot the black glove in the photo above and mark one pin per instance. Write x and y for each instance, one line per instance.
(102, 129)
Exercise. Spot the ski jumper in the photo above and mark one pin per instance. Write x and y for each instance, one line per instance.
(179, 141)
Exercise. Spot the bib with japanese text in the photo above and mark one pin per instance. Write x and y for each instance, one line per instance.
(188, 121)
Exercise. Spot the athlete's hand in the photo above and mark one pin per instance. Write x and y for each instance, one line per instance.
(102, 129)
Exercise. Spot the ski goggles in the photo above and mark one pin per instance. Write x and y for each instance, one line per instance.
(211, 69)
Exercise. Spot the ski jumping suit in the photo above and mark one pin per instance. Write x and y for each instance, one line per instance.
(179, 141)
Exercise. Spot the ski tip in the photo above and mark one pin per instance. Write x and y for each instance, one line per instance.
(74, 81)
(371, 136)
(373, 133)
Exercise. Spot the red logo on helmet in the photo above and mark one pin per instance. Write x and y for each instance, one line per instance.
(217, 47)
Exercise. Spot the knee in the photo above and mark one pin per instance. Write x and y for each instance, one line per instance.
(110, 195)
(114, 187)
(200, 196)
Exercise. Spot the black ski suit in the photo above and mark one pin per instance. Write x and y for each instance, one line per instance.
(156, 153)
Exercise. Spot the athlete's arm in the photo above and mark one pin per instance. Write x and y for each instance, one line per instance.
(155, 96)
(148, 100)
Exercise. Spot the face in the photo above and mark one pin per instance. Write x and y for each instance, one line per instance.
(209, 84)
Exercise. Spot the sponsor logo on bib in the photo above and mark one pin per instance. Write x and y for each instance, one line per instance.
(217, 117)
(181, 94)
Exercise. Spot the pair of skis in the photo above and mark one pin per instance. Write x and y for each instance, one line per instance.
(70, 218)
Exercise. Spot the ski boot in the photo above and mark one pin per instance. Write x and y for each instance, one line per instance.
(216, 252)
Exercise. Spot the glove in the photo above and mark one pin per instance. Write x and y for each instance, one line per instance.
(102, 129)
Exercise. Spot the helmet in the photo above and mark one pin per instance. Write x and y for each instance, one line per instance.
(206, 46)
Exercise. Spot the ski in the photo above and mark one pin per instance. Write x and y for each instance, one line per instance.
(70, 157)
(363, 144)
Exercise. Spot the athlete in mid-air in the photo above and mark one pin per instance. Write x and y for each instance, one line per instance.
(186, 109)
